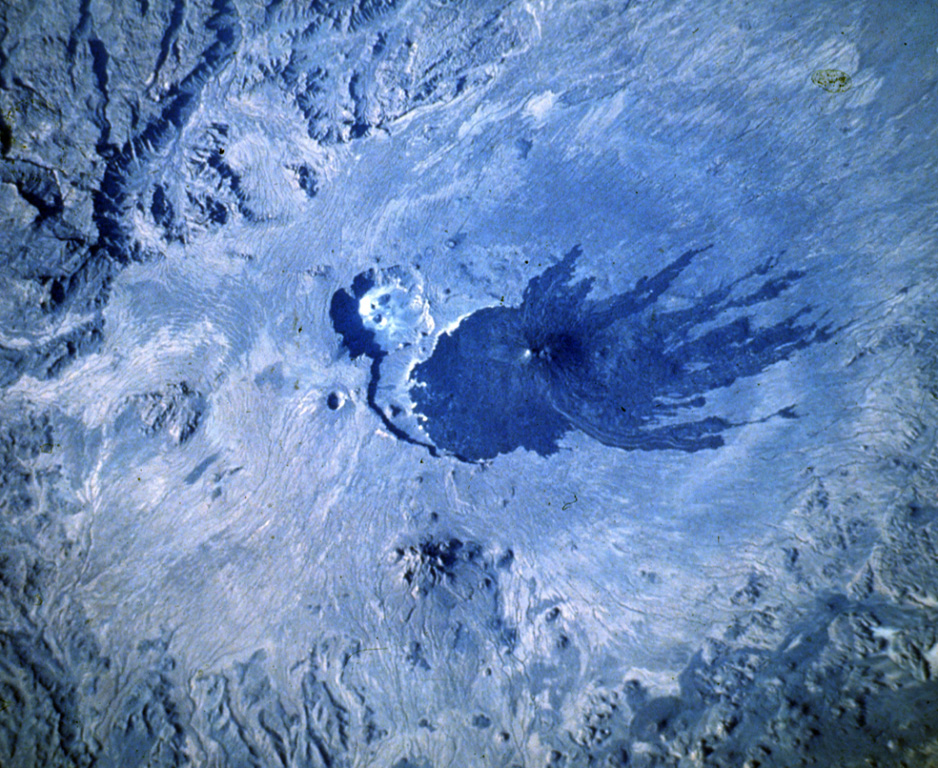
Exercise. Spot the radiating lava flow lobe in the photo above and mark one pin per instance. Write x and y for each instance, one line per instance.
(624, 370)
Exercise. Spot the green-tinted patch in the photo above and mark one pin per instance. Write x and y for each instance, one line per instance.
(832, 80)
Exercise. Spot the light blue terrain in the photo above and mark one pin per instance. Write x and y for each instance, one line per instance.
(437, 383)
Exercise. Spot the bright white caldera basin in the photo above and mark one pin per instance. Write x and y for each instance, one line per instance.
(395, 312)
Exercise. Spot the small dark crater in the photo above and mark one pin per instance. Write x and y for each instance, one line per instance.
(306, 177)
(650, 576)
(456, 240)
(335, 401)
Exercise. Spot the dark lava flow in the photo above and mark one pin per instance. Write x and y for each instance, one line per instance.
(359, 340)
(624, 370)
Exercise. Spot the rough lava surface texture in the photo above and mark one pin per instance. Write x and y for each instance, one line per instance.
(454, 384)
